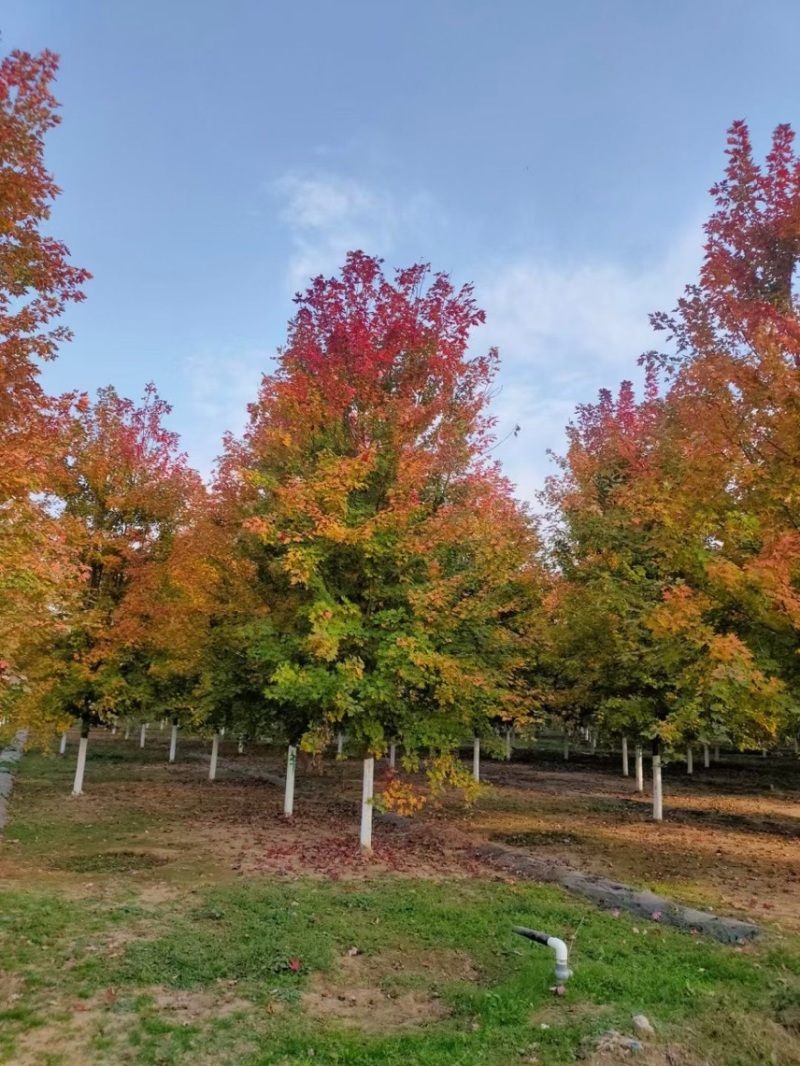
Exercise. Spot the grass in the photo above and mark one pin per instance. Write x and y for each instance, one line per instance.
(107, 959)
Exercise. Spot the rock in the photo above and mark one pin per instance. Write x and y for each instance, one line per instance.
(642, 1025)
(615, 1041)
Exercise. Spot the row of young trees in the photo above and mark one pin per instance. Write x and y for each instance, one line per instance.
(359, 563)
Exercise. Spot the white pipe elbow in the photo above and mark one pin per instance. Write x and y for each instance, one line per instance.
(561, 950)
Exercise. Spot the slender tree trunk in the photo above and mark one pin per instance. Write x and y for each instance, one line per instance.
(212, 769)
(392, 755)
(706, 757)
(625, 768)
(594, 741)
(291, 767)
(639, 769)
(658, 794)
(63, 745)
(689, 760)
(114, 729)
(764, 753)
(476, 758)
(163, 723)
(142, 734)
(80, 767)
(366, 804)
(339, 745)
(566, 745)
(509, 746)
(127, 729)
(241, 746)
(173, 742)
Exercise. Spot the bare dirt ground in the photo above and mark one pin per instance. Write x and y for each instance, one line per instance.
(730, 840)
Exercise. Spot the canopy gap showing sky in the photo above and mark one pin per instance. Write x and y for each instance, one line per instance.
(215, 155)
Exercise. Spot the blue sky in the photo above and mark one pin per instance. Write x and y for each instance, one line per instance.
(213, 155)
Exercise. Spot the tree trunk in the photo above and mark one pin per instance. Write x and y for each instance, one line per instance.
(127, 729)
(80, 768)
(291, 767)
(509, 746)
(366, 804)
(625, 767)
(173, 742)
(658, 794)
(594, 741)
(142, 734)
(114, 729)
(689, 760)
(212, 769)
(63, 745)
(163, 723)
(639, 769)
(392, 755)
(706, 757)
(339, 745)
(566, 746)
(241, 746)
(476, 758)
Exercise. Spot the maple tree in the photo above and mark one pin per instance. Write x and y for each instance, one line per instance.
(397, 571)
(124, 490)
(678, 538)
(37, 282)
(733, 376)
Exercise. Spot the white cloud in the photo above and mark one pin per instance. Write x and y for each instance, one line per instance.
(220, 388)
(328, 215)
(564, 332)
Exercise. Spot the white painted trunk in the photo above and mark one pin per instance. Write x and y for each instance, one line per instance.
(163, 723)
(127, 730)
(625, 768)
(173, 743)
(566, 746)
(114, 729)
(639, 761)
(339, 744)
(508, 744)
(392, 755)
(476, 758)
(366, 804)
(212, 769)
(241, 746)
(658, 794)
(594, 743)
(764, 753)
(706, 756)
(142, 735)
(63, 746)
(291, 767)
(689, 761)
(77, 786)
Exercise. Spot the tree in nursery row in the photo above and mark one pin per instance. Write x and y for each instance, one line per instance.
(123, 490)
(396, 577)
(673, 530)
